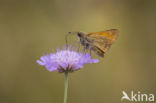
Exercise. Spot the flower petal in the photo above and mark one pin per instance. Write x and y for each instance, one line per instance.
(67, 59)
(40, 62)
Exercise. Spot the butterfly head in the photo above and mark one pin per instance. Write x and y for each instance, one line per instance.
(79, 34)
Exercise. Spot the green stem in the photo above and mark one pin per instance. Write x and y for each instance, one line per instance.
(65, 87)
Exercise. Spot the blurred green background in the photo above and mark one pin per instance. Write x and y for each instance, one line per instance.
(31, 28)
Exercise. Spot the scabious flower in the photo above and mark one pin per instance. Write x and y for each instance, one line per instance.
(66, 60)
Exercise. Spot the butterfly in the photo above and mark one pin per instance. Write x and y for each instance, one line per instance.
(98, 42)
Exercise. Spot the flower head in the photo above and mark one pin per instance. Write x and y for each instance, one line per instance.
(67, 59)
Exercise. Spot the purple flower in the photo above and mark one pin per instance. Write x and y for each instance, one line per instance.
(66, 59)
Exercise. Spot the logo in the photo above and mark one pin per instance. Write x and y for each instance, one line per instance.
(137, 96)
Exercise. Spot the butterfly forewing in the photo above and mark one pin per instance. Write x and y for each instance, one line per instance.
(104, 39)
(109, 34)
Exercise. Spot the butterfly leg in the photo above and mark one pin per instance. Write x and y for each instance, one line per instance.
(66, 38)
(79, 47)
(90, 52)
(84, 50)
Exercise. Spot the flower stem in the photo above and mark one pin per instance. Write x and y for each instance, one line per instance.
(65, 87)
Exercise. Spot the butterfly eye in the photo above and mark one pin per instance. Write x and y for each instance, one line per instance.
(79, 34)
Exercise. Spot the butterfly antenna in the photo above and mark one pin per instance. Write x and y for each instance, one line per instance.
(66, 37)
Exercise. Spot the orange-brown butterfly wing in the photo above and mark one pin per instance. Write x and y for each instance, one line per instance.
(111, 34)
(104, 39)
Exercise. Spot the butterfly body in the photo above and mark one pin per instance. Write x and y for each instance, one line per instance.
(98, 42)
